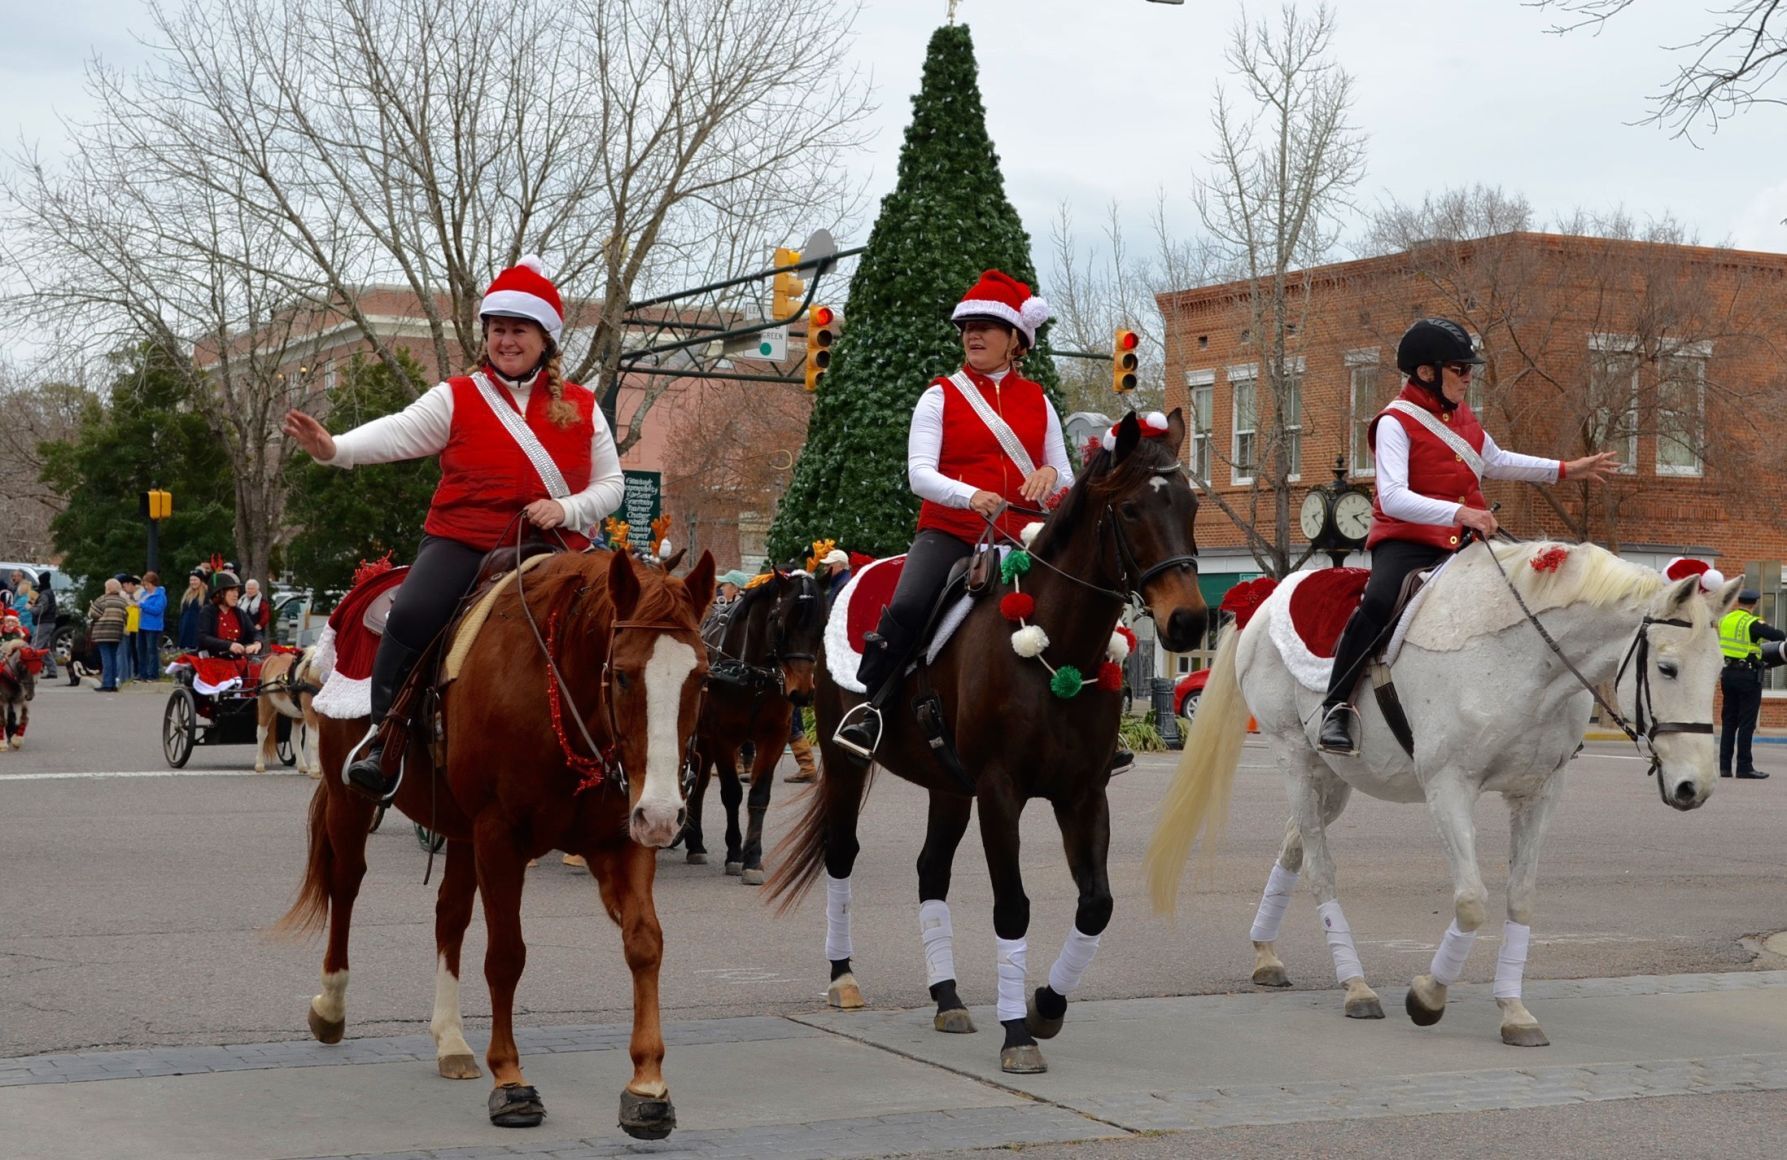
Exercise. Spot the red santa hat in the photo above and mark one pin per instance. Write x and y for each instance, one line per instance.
(1003, 298)
(524, 291)
(1153, 425)
(1683, 567)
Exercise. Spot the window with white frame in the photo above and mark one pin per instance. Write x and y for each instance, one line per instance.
(1293, 420)
(1242, 384)
(1613, 396)
(1365, 390)
(1681, 410)
(1201, 386)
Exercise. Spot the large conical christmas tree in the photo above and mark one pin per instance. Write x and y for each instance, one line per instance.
(946, 221)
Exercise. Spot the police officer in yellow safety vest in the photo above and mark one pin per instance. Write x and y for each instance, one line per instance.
(1741, 633)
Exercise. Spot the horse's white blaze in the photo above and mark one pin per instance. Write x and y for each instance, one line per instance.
(446, 1026)
(332, 1003)
(656, 818)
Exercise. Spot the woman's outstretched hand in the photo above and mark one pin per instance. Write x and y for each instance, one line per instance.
(309, 434)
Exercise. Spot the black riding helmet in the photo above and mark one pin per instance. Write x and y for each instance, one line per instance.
(223, 582)
(1433, 342)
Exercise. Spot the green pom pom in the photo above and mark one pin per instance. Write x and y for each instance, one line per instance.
(1066, 683)
(1016, 563)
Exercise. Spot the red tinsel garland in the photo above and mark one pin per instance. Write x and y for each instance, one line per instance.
(1551, 559)
(591, 771)
(370, 568)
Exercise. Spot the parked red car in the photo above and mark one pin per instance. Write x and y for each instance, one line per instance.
(1186, 692)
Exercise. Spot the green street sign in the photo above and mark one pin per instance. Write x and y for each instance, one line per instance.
(642, 503)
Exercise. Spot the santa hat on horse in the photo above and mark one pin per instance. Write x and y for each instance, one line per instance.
(1001, 298)
(1683, 567)
(524, 291)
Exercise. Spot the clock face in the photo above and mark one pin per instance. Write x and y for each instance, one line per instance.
(1352, 515)
(1314, 514)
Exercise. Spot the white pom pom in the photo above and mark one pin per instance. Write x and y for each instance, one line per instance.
(1035, 311)
(1156, 420)
(1109, 442)
(1029, 641)
(1712, 580)
(532, 262)
(1118, 649)
(1028, 535)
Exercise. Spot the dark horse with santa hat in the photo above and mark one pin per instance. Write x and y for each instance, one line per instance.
(1023, 700)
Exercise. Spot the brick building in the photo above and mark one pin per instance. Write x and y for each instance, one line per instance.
(1667, 354)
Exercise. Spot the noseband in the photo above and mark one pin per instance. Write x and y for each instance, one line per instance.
(1127, 568)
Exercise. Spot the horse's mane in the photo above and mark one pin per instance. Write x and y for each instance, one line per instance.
(1099, 480)
(562, 579)
(1586, 574)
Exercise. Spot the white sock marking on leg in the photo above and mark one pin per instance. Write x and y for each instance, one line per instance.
(447, 1027)
(332, 1003)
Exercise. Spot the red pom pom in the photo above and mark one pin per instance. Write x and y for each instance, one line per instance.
(1127, 635)
(1016, 606)
(1093, 446)
(1245, 598)
(370, 568)
(1110, 677)
(1550, 559)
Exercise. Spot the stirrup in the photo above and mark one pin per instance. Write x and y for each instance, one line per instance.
(388, 789)
(860, 712)
(1332, 717)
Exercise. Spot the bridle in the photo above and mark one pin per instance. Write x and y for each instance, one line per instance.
(772, 669)
(1643, 723)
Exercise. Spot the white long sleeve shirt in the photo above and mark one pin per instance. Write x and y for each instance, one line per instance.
(421, 429)
(924, 445)
(1396, 498)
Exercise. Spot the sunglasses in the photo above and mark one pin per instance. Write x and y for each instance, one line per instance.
(1462, 370)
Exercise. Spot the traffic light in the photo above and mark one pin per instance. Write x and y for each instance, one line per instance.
(822, 331)
(789, 290)
(156, 505)
(1123, 361)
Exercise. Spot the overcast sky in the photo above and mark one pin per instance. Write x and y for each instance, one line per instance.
(1090, 100)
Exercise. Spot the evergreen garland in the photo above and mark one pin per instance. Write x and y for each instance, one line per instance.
(945, 222)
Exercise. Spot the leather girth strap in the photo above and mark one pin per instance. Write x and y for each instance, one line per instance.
(1390, 705)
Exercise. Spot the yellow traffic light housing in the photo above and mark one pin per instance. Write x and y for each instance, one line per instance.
(822, 331)
(788, 289)
(1124, 360)
(156, 505)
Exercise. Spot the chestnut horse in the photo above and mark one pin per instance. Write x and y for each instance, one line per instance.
(1123, 530)
(288, 683)
(760, 669)
(625, 660)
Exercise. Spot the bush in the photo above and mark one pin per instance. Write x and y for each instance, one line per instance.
(1139, 735)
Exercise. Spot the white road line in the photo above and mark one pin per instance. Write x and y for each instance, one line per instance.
(87, 775)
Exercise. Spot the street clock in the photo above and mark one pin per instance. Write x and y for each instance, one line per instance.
(1336, 517)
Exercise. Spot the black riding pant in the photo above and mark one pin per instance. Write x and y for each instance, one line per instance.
(1391, 563)
(425, 601)
(928, 561)
(1742, 687)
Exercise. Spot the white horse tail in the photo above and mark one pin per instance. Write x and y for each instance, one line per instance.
(1198, 799)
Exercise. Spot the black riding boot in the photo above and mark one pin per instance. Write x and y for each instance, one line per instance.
(884, 656)
(390, 668)
(1338, 715)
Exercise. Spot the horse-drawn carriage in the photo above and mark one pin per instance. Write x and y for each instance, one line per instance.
(235, 701)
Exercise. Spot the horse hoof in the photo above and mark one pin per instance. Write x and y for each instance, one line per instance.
(1419, 1012)
(752, 877)
(326, 1030)
(260, 767)
(646, 1117)
(1366, 1009)
(1528, 1035)
(1272, 976)
(460, 1066)
(1024, 1059)
(1040, 1025)
(735, 868)
(955, 1021)
(844, 994)
(695, 858)
(515, 1105)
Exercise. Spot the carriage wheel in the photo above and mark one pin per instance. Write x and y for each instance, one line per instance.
(179, 726)
(284, 744)
(428, 840)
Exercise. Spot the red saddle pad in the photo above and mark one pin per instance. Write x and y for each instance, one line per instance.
(874, 588)
(1321, 604)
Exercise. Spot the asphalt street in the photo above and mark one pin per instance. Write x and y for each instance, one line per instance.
(138, 903)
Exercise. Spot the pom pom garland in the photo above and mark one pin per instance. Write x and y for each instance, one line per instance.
(1110, 677)
(1028, 535)
(1029, 641)
(1017, 606)
(1118, 649)
(1066, 683)
(1015, 564)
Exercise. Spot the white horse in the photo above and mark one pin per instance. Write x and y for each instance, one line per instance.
(1492, 707)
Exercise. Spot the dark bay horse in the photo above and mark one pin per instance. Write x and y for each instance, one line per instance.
(518, 780)
(1125, 527)
(760, 668)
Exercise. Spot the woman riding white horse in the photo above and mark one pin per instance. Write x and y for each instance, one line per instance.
(1492, 706)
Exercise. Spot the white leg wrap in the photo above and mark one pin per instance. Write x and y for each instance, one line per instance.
(837, 918)
(1448, 961)
(1510, 964)
(1340, 942)
(1272, 904)
(939, 940)
(1012, 955)
(1076, 955)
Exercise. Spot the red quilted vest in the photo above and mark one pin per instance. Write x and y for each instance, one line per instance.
(486, 479)
(971, 454)
(1435, 470)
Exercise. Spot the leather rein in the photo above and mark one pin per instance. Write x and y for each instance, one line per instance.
(1130, 575)
(771, 669)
